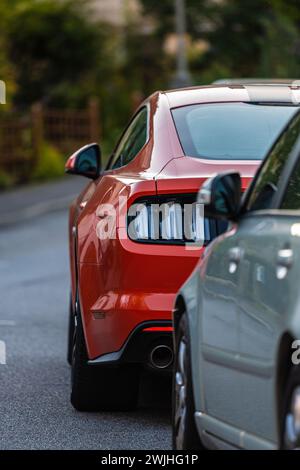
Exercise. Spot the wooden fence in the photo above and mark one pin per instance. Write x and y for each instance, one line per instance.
(21, 137)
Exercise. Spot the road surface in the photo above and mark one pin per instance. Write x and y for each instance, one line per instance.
(35, 382)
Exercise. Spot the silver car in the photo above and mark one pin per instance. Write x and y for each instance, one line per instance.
(237, 318)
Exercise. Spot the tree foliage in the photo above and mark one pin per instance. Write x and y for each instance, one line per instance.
(52, 47)
(53, 51)
(244, 38)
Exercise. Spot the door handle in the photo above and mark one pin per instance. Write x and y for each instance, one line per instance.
(284, 262)
(285, 257)
(235, 255)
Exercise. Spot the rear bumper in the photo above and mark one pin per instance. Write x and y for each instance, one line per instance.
(140, 344)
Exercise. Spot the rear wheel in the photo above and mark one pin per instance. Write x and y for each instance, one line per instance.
(185, 433)
(291, 419)
(96, 388)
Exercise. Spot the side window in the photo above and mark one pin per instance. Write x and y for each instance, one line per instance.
(132, 141)
(266, 185)
(291, 198)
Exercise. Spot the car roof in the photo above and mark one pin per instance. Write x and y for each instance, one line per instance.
(288, 94)
(257, 81)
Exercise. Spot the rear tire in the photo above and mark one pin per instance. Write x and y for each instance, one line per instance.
(184, 430)
(100, 388)
(70, 333)
(291, 416)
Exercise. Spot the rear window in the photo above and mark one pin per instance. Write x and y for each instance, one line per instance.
(230, 131)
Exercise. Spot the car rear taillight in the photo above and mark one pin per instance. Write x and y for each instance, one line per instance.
(170, 219)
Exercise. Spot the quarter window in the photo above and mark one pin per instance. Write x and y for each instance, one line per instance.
(132, 141)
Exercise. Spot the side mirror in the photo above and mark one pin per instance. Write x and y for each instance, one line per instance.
(221, 196)
(86, 162)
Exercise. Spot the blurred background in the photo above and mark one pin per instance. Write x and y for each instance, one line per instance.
(76, 69)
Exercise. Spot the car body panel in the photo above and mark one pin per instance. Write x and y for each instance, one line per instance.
(187, 173)
(229, 438)
(231, 373)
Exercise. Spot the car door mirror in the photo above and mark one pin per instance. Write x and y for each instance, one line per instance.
(221, 196)
(86, 162)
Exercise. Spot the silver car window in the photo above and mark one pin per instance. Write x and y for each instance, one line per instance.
(266, 184)
(291, 198)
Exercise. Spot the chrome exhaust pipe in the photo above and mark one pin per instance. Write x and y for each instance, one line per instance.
(161, 356)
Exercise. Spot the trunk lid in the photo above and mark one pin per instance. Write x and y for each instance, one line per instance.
(187, 174)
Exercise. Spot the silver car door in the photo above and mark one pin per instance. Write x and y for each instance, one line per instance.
(263, 300)
(270, 247)
(218, 328)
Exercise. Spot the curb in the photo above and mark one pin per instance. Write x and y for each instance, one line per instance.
(36, 210)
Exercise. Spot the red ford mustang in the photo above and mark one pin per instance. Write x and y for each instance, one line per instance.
(129, 258)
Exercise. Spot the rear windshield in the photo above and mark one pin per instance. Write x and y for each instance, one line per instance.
(230, 131)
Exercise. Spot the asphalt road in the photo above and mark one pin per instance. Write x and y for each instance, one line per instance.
(35, 412)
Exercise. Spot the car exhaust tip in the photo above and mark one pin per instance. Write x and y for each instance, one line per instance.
(161, 356)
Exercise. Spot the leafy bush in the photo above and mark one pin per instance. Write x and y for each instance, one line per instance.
(50, 164)
(6, 181)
